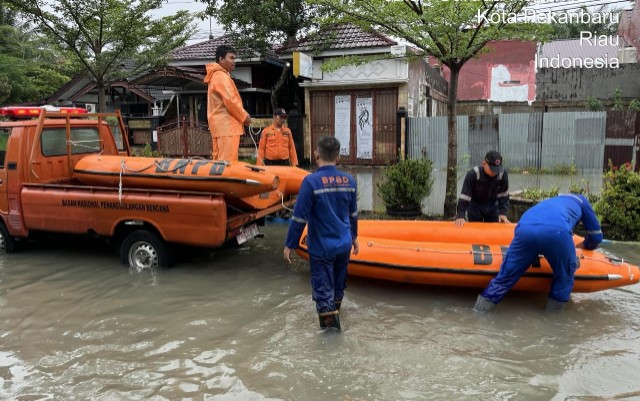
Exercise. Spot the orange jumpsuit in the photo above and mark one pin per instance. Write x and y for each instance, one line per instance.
(225, 113)
(277, 146)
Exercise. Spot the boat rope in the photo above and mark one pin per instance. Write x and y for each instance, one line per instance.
(253, 133)
(156, 163)
(282, 202)
(78, 144)
(610, 260)
(421, 249)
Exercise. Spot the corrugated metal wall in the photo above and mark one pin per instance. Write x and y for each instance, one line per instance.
(427, 138)
(531, 140)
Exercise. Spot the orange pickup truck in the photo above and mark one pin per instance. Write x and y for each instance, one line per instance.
(39, 192)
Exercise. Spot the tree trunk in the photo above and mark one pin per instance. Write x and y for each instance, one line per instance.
(276, 88)
(102, 98)
(452, 155)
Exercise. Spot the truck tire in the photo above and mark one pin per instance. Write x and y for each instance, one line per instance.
(143, 249)
(7, 242)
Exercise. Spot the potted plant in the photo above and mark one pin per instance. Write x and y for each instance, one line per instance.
(405, 185)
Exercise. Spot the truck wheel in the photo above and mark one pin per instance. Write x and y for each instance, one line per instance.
(7, 242)
(144, 250)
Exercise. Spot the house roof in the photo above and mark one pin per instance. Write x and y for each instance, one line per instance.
(206, 50)
(338, 37)
(171, 77)
(582, 48)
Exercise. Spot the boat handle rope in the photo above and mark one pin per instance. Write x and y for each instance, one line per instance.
(610, 259)
(123, 168)
(420, 249)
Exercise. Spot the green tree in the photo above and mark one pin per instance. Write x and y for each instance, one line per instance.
(572, 30)
(103, 35)
(29, 69)
(257, 25)
(453, 32)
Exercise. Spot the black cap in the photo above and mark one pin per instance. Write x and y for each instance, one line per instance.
(494, 160)
(280, 112)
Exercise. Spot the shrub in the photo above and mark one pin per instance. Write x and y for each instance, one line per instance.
(148, 152)
(536, 194)
(619, 204)
(406, 184)
(594, 104)
(617, 99)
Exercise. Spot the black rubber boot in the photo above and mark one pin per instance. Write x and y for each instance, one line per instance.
(329, 320)
(483, 305)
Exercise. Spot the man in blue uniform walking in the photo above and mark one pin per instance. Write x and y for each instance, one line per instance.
(546, 229)
(485, 192)
(327, 203)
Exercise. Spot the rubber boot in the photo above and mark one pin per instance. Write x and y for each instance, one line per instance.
(483, 305)
(553, 305)
(329, 320)
(337, 303)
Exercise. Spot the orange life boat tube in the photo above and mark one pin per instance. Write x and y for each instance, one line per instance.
(439, 253)
(290, 180)
(236, 180)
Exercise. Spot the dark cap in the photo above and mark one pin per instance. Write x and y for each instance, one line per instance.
(280, 112)
(494, 160)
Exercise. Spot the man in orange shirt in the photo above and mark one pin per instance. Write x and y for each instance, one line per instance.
(276, 143)
(225, 113)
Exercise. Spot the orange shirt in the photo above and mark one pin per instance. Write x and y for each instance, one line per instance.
(277, 145)
(225, 113)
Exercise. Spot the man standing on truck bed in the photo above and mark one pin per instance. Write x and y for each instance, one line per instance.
(225, 113)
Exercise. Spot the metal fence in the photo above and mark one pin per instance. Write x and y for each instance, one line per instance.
(532, 140)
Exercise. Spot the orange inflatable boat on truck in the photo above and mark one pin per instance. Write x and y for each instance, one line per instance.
(243, 185)
(439, 253)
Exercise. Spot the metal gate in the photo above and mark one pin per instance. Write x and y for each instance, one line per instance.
(184, 139)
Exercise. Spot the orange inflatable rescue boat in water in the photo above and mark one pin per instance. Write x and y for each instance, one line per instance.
(244, 185)
(439, 253)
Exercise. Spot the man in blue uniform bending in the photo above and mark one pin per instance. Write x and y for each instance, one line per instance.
(327, 203)
(546, 229)
(485, 192)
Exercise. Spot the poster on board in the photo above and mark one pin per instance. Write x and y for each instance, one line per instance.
(342, 122)
(364, 127)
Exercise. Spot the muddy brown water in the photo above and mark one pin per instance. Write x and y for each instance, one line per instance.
(240, 325)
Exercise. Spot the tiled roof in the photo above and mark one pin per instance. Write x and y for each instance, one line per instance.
(582, 48)
(338, 37)
(206, 50)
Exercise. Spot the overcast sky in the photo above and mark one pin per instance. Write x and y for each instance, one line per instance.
(202, 34)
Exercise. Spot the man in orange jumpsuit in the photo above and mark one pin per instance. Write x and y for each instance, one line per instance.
(276, 143)
(225, 113)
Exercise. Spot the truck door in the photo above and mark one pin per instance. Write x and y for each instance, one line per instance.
(4, 202)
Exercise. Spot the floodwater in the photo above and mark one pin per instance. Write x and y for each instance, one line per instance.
(240, 325)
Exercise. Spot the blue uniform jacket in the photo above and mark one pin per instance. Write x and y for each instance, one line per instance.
(327, 202)
(565, 211)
